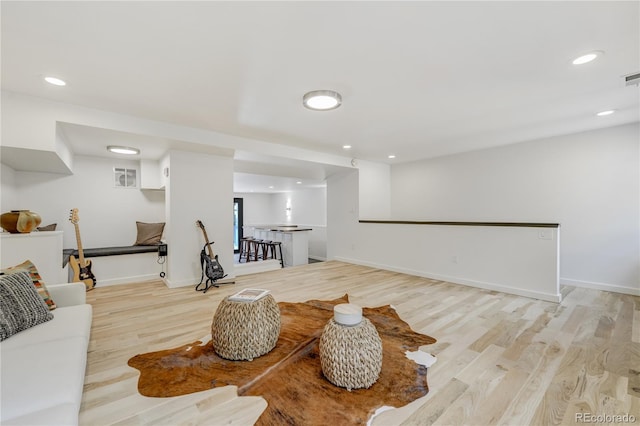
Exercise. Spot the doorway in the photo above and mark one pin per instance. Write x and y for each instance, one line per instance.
(237, 224)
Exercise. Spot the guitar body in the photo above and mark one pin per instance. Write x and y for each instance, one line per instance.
(81, 268)
(82, 273)
(213, 269)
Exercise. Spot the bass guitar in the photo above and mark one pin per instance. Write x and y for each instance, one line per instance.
(209, 263)
(81, 267)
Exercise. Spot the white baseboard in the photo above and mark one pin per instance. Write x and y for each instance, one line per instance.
(601, 286)
(463, 281)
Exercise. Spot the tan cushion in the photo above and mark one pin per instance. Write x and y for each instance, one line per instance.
(30, 268)
(51, 227)
(149, 234)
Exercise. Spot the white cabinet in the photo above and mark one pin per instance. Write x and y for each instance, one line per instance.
(150, 176)
(295, 244)
(43, 249)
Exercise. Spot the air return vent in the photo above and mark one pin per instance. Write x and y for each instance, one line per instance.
(632, 79)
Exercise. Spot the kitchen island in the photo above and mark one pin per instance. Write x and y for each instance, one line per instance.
(294, 239)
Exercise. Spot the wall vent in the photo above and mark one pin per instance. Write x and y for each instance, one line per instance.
(632, 79)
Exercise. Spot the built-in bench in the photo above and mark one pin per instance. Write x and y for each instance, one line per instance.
(119, 265)
(106, 251)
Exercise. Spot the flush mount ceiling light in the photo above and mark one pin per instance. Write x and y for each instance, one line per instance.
(346, 146)
(55, 81)
(587, 58)
(322, 100)
(607, 112)
(391, 156)
(123, 150)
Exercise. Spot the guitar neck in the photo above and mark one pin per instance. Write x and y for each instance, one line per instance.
(79, 242)
(206, 238)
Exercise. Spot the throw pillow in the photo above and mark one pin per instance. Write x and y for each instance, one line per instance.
(149, 234)
(21, 307)
(30, 268)
(51, 227)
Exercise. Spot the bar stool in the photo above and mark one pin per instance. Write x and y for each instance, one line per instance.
(258, 249)
(246, 244)
(271, 251)
(264, 249)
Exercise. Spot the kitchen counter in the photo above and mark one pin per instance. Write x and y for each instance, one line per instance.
(294, 239)
(282, 228)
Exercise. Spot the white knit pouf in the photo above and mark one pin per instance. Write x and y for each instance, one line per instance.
(245, 330)
(351, 356)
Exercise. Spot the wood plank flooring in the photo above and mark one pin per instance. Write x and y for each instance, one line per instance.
(502, 359)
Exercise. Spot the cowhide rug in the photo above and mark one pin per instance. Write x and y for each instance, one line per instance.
(290, 377)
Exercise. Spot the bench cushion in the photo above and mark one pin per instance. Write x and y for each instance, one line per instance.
(114, 251)
(108, 251)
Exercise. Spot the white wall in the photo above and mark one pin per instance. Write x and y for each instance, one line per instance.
(588, 182)
(374, 190)
(256, 208)
(108, 214)
(191, 198)
(62, 148)
(342, 215)
(43, 249)
(308, 207)
(513, 260)
(8, 195)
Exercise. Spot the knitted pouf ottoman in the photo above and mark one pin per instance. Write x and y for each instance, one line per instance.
(351, 355)
(245, 330)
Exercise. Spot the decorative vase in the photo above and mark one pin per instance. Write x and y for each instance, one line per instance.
(20, 221)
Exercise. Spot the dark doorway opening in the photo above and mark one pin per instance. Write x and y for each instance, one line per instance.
(237, 224)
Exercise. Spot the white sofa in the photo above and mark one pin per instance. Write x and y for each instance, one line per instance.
(43, 368)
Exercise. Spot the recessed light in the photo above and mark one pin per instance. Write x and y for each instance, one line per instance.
(607, 112)
(123, 150)
(299, 183)
(322, 100)
(587, 57)
(55, 81)
(271, 187)
(346, 146)
(392, 156)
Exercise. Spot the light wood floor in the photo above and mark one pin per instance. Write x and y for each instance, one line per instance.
(502, 359)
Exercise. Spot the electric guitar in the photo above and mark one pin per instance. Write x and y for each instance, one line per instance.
(81, 268)
(209, 262)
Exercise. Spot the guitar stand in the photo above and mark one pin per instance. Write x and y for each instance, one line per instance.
(213, 269)
(207, 284)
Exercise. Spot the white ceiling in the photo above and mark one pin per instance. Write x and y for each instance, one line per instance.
(418, 79)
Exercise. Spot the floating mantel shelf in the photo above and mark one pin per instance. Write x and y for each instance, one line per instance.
(419, 222)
